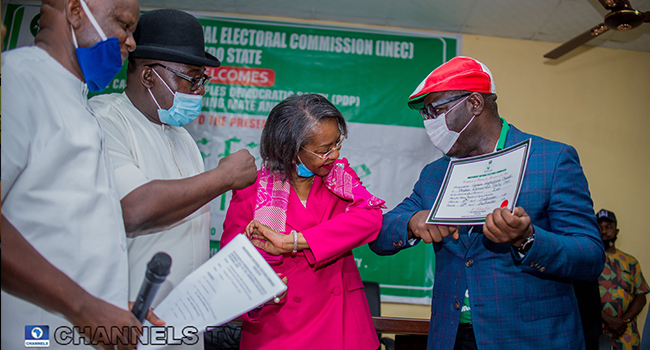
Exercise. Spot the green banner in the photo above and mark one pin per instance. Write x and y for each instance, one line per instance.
(367, 74)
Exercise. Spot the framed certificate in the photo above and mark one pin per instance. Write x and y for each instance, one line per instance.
(473, 187)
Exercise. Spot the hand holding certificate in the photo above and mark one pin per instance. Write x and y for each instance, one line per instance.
(473, 187)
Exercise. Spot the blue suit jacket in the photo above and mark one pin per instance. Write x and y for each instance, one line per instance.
(515, 303)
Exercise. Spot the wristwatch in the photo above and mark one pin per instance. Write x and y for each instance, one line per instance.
(525, 247)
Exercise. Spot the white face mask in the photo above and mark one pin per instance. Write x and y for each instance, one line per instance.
(439, 133)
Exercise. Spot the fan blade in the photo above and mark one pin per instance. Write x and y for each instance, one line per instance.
(647, 17)
(577, 41)
(610, 4)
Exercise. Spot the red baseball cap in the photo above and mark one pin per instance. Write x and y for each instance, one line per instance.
(458, 74)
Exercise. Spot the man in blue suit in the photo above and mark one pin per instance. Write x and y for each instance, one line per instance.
(507, 284)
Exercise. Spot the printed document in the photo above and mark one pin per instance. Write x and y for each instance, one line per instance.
(234, 281)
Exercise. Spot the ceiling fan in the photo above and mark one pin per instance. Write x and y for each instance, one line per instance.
(622, 17)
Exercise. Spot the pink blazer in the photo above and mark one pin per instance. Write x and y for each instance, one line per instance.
(325, 306)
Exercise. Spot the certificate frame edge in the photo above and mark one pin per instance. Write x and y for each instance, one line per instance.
(522, 173)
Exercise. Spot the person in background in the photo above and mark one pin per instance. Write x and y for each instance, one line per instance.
(622, 288)
(159, 171)
(64, 261)
(306, 212)
(508, 283)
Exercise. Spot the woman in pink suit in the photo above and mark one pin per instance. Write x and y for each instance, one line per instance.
(306, 212)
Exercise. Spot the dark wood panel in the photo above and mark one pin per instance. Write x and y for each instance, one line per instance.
(397, 325)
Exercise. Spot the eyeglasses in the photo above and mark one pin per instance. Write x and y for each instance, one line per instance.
(430, 111)
(324, 156)
(196, 82)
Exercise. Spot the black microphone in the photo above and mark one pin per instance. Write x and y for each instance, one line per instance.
(157, 271)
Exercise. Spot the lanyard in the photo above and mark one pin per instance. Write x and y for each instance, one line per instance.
(504, 132)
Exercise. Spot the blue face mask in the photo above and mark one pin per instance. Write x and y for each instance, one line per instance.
(302, 170)
(183, 111)
(100, 62)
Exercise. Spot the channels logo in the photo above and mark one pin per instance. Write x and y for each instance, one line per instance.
(37, 336)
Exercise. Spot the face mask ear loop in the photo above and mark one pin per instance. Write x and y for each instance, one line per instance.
(163, 80)
(154, 99)
(470, 122)
(92, 20)
(74, 37)
(151, 93)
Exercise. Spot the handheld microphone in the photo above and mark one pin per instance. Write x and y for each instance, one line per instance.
(157, 271)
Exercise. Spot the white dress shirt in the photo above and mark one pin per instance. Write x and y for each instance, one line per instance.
(57, 186)
(141, 152)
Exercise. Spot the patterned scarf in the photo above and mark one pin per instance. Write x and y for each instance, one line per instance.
(273, 198)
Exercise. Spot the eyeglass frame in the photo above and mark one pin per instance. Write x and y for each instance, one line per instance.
(326, 155)
(424, 113)
(206, 79)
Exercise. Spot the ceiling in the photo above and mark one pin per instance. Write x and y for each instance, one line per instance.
(542, 20)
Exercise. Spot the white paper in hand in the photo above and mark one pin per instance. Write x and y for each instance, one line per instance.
(234, 281)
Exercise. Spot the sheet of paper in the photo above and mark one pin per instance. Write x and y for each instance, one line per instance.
(234, 281)
(473, 187)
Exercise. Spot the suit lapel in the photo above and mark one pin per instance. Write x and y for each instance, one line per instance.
(464, 237)
(469, 239)
(515, 136)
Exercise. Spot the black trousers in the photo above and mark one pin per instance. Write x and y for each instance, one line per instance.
(465, 339)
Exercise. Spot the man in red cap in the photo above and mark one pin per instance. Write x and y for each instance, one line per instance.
(507, 284)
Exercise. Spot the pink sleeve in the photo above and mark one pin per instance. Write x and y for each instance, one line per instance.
(239, 214)
(342, 233)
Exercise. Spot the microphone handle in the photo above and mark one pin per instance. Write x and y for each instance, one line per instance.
(145, 297)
